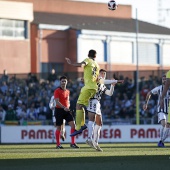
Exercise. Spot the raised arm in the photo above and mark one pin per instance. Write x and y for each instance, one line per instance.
(82, 64)
(103, 81)
(147, 100)
(110, 92)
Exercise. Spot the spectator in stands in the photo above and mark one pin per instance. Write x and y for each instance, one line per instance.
(126, 102)
(42, 111)
(19, 106)
(22, 114)
(4, 87)
(141, 83)
(32, 113)
(4, 76)
(1, 97)
(117, 106)
(11, 113)
(2, 114)
(132, 111)
(52, 76)
(31, 90)
(31, 78)
(145, 90)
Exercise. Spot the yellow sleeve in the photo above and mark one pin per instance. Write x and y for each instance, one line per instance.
(86, 61)
(168, 74)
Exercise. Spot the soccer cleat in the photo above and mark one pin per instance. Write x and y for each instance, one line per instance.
(161, 144)
(74, 146)
(62, 137)
(83, 127)
(59, 147)
(76, 132)
(98, 148)
(90, 143)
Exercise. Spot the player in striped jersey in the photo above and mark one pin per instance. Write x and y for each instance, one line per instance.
(167, 86)
(94, 111)
(162, 112)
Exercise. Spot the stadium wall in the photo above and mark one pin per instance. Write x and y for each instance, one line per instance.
(109, 134)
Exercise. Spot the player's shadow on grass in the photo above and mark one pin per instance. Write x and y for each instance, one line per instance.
(89, 163)
(135, 146)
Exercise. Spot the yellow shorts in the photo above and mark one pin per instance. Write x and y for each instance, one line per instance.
(85, 95)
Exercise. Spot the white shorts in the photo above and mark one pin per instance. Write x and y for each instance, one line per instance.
(94, 106)
(162, 116)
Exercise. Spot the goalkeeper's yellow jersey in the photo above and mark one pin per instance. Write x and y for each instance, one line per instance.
(168, 74)
(91, 73)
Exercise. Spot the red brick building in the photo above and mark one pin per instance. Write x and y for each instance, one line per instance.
(57, 29)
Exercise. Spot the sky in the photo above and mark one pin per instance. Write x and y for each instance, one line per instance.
(153, 11)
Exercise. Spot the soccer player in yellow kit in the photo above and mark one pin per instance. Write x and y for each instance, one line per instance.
(91, 73)
(166, 87)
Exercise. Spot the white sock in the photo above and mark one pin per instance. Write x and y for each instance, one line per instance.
(97, 129)
(90, 129)
(63, 130)
(162, 132)
(166, 133)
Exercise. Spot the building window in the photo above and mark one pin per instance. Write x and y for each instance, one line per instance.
(120, 52)
(148, 53)
(47, 67)
(13, 29)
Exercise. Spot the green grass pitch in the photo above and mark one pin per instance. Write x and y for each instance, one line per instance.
(116, 156)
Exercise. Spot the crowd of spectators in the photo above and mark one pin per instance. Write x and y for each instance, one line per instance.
(27, 99)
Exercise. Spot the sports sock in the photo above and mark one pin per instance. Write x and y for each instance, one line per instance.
(83, 118)
(57, 136)
(73, 137)
(90, 129)
(168, 119)
(162, 133)
(63, 129)
(166, 133)
(97, 130)
(79, 119)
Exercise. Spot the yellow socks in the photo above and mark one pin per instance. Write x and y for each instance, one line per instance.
(80, 119)
(168, 115)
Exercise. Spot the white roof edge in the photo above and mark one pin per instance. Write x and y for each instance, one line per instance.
(53, 27)
(125, 34)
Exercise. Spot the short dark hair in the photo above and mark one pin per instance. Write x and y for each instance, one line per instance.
(63, 77)
(163, 75)
(92, 53)
(102, 70)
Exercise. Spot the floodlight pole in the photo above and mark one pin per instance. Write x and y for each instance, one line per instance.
(137, 72)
